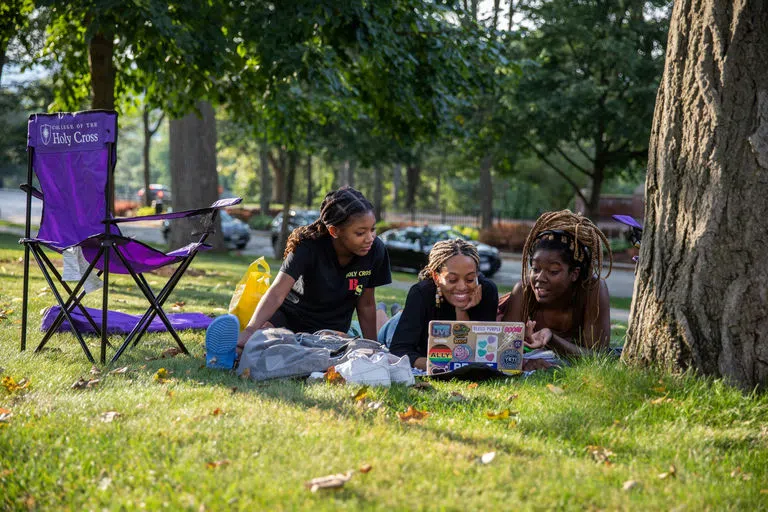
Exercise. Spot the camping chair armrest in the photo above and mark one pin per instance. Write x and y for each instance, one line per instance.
(221, 203)
(29, 189)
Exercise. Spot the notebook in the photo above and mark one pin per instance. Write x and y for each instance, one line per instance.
(453, 344)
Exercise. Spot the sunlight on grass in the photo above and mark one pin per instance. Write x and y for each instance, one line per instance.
(206, 439)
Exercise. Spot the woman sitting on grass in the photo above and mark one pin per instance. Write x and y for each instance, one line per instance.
(562, 297)
(331, 268)
(450, 287)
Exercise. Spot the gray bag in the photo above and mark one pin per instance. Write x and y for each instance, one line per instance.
(279, 353)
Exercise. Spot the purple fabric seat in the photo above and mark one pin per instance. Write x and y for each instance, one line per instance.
(73, 156)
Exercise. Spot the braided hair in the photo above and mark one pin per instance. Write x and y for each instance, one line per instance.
(580, 244)
(442, 251)
(337, 207)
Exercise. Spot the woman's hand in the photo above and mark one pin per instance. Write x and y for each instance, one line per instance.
(536, 339)
(474, 299)
(420, 363)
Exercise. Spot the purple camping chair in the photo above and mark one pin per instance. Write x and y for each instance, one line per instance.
(73, 156)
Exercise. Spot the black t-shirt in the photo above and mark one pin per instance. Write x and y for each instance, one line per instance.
(325, 293)
(412, 330)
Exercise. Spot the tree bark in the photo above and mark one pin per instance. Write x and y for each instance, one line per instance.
(700, 295)
(486, 193)
(397, 178)
(194, 180)
(413, 176)
(100, 51)
(149, 132)
(378, 192)
(290, 179)
(348, 173)
(278, 166)
(310, 191)
(266, 185)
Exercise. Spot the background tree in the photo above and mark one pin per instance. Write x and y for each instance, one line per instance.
(700, 295)
(587, 94)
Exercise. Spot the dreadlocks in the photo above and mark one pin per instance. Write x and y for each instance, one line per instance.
(443, 250)
(337, 207)
(579, 242)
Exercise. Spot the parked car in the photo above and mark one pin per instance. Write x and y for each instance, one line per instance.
(157, 193)
(236, 233)
(298, 218)
(409, 247)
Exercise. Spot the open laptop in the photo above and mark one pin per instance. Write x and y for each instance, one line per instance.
(454, 343)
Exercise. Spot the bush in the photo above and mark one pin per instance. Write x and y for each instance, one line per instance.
(145, 210)
(468, 231)
(260, 222)
(508, 236)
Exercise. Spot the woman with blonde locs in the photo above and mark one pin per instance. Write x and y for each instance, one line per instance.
(450, 287)
(562, 297)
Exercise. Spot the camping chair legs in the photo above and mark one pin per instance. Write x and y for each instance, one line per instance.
(156, 304)
(64, 309)
(25, 299)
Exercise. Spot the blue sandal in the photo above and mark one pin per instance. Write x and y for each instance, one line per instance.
(221, 342)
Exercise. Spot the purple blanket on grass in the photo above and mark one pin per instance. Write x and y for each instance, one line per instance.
(118, 322)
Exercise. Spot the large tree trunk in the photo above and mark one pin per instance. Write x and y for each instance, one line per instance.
(194, 180)
(266, 185)
(348, 173)
(486, 193)
(700, 296)
(100, 50)
(278, 184)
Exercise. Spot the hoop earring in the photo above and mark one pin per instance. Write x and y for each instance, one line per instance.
(438, 296)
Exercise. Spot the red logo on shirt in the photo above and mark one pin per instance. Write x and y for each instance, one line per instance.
(353, 284)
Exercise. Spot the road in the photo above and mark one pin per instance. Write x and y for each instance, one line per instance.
(12, 205)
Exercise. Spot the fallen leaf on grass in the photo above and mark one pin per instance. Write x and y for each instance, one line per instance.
(472, 385)
(217, 464)
(630, 484)
(660, 389)
(119, 371)
(412, 414)
(178, 305)
(423, 386)
(110, 416)
(512, 397)
(662, 400)
(501, 415)
(374, 405)
(738, 473)
(365, 468)
(81, 383)
(457, 397)
(672, 473)
(361, 394)
(763, 491)
(329, 482)
(333, 377)
(5, 415)
(12, 386)
(245, 375)
(216, 412)
(161, 376)
(171, 352)
(104, 483)
(95, 370)
(486, 458)
(600, 454)
(554, 389)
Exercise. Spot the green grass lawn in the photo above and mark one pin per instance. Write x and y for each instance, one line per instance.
(208, 440)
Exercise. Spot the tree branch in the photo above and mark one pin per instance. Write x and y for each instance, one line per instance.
(562, 174)
(570, 161)
(152, 131)
(584, 152)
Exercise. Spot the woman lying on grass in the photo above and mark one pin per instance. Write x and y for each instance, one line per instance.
(331, 268)
(450, 287)
(562, 298)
